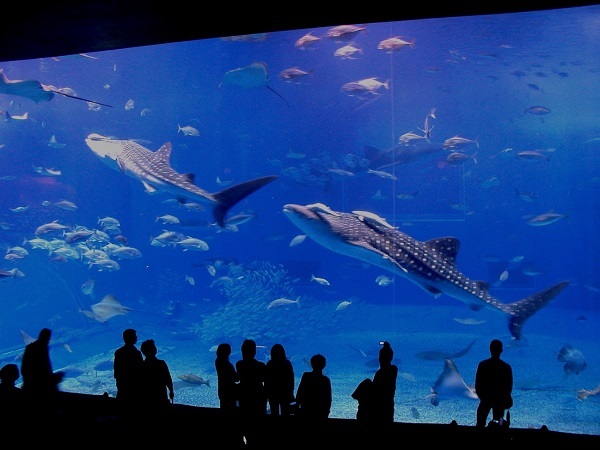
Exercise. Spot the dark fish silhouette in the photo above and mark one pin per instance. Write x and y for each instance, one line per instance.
(573, 359)
(251, 76)
(438, 355)
(401, 154)
(104, 366)
(34, 90)
(430, 264)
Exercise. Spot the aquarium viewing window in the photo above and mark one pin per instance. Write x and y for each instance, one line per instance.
(324, 188)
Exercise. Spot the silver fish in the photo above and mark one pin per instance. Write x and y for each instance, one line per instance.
(545, 219)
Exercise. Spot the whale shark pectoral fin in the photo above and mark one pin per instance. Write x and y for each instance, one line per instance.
(433, 291)
(149, 189)
(475, 306)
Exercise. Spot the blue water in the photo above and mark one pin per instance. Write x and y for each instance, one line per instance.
(483, 78)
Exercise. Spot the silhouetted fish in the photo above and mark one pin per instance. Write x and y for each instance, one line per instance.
(573, 359)
(34, 90)
(401, 154)
(252, 76)
(438, 355)
(104, 366)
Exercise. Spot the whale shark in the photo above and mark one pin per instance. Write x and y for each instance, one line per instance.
(154, 170)
(430, 264)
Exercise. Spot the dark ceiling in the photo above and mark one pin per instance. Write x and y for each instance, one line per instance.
(63, 27)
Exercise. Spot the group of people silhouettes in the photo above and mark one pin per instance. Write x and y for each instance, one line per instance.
(248, 389)
(251, 388)
(144, 382)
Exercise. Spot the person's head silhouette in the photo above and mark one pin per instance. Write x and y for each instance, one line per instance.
(248, 349)
(278, 352)
(9, 374)
(318, 362)
(45, 335)
(148, 348)
(130, 336)
(386, 354)
(496, 348)
(223, 350)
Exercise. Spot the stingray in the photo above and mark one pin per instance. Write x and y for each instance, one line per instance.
(34, 90)
(439, 355)
(254, 75)
(108, 307)
(449, 385)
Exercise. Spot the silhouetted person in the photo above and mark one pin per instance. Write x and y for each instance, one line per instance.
(493, 385)
(126, 369)
(252, 399)
(227, 379)
(364, 394)
(252, 396)
(11, 397)
(383, 388)
(40, 383)
(228, 392)
(157, 385)
(279, 382)
(313, 396)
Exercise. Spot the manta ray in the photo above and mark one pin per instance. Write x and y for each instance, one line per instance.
(34, 90)
(429, 264)
(251, 76)
(438, 355)
(154, 170)
(107, 308)
(449, 385)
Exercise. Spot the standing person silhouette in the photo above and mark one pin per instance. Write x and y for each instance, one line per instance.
(228, 393)
(252, 397)
(227, 379)
(493, 385)
(156, 381)
(126, 369)
(40, 383)
(313, 396)
(383, 388)
(279, 382)
(11, 396)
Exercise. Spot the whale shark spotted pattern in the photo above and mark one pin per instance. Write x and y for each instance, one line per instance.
(154, 170)
(430, 264)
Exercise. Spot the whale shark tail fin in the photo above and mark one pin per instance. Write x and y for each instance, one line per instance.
(228, 197)
(523, 309)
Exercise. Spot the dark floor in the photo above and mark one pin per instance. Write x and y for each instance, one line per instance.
(93, 420)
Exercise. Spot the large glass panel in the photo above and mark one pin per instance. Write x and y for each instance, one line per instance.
(483, 129)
